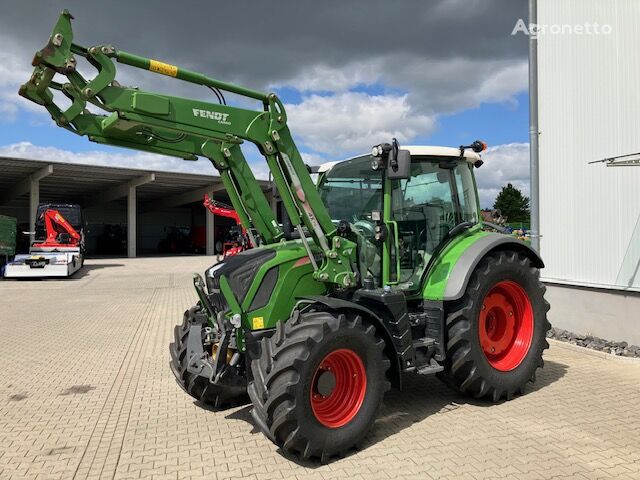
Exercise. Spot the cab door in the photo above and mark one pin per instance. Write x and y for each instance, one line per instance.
(419, 213)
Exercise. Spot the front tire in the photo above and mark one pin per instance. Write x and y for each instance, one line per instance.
(496, 333)
(318, 383)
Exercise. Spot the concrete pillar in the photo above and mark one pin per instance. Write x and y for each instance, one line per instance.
(34, 200)
(210, 232)
(131, 222)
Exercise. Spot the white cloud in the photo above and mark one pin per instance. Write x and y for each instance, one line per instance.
(142, 160)
(435, 86)
(322, 77)
(351, 122)
(508, 163)
(14, 71)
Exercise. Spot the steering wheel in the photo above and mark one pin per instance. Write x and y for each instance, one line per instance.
(366, 228)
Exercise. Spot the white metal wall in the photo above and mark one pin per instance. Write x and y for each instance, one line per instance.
(589, 102)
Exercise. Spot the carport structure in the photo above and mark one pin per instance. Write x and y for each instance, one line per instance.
(25, 183)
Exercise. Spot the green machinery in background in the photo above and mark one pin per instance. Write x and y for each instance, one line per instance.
(8, 235)
(386, 268)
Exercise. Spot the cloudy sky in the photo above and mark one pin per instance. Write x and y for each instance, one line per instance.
(352, 74)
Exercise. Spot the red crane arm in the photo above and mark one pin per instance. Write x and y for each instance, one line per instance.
(218, 208)
(55, 224)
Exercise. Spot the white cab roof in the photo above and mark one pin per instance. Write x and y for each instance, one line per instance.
(422, 150)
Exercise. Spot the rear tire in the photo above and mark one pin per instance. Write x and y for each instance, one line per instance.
(496, 333)
(318, 383)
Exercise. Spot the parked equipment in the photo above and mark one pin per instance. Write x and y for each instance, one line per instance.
(391, 271)
(8, 233)
(237, 241)
(58, 250)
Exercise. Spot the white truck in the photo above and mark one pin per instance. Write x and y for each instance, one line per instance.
(58, 249)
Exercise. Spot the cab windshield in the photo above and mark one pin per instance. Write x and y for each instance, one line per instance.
(351, 190)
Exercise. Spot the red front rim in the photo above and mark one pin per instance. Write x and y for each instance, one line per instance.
(506, 325)
(338, 388)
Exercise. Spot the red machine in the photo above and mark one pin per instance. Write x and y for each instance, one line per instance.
(60, 233)
(59, 247)
(230, 247)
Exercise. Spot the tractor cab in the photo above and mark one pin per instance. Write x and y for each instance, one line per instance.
(416, 213)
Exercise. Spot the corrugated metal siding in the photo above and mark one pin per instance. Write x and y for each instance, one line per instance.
(589, 105)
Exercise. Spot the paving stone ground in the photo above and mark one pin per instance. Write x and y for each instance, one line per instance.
(86, 392)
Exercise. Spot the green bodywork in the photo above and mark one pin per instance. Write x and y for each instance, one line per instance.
(295, 279)
(438, 275)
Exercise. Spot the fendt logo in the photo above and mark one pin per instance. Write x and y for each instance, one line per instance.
(220, 117)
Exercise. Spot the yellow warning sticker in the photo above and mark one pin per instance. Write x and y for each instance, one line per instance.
(258, 322)
(163, 68)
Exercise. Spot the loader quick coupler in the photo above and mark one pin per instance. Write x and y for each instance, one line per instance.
(217, 368)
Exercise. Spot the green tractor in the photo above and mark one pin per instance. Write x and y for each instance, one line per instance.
(382, 268)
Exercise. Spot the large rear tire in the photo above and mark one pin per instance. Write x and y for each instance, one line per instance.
(496, 333)
(318, 383)
(200, 387)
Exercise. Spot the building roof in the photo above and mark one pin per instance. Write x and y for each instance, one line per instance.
(79, 183)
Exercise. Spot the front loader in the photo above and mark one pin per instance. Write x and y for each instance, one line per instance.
(386, 270)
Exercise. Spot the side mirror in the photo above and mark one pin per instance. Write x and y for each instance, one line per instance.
(399, 167)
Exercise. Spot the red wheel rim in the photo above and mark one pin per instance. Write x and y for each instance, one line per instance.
(338, 388)
(506, 325)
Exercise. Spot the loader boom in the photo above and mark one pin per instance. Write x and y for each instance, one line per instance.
(189, 129)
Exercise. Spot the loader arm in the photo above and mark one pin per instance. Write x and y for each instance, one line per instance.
(189, 129)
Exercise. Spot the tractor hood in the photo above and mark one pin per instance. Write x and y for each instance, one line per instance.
(265, 281)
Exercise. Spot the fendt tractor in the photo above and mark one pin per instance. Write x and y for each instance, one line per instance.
(386, 268)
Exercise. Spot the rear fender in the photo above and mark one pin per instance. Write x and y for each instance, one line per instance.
(461, 271)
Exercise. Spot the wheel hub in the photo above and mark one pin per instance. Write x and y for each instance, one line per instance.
(338, 388)
(506, 325)
(326, 382)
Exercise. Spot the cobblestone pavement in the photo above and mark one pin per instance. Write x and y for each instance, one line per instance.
(86, 392)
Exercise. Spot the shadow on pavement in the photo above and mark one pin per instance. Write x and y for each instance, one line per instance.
(87, 268)
(420, 398)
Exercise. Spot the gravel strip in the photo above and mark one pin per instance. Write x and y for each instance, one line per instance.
(622, 349)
